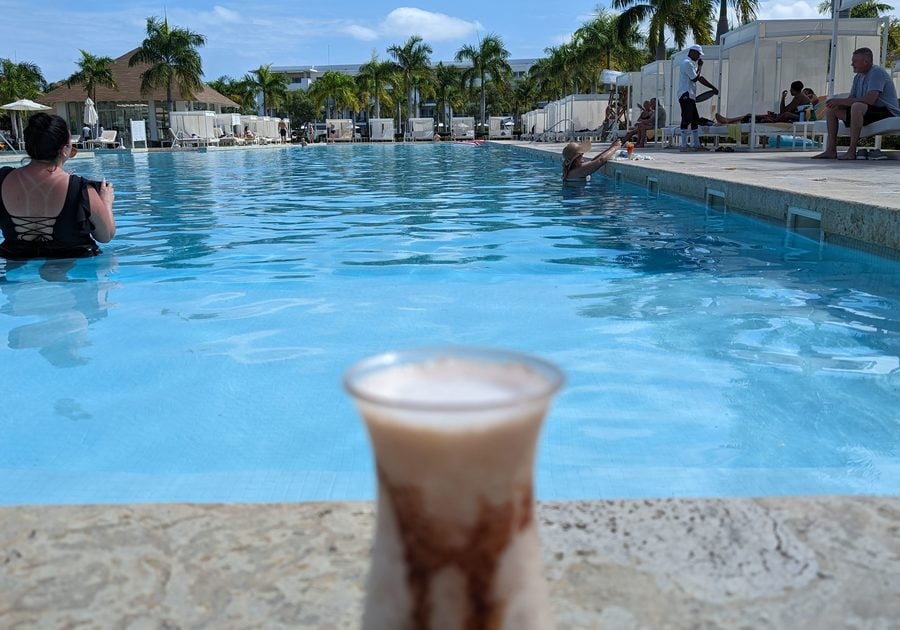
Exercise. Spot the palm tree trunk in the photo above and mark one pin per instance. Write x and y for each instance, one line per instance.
(483, 102)
(722, 26)
(170, 104)
(661, 44)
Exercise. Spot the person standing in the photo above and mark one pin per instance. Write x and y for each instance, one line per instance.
(688, 77)
(873, 97)
(282, 130)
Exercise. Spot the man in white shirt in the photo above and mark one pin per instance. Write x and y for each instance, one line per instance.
(688, 77)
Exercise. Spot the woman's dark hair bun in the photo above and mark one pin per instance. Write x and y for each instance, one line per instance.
(45, 135)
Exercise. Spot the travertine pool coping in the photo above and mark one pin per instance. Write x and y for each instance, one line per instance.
(825, 562)
(859, 202)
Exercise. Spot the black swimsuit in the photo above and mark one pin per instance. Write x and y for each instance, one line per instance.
(67, 235)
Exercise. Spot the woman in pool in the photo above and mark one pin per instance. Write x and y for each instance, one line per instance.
(574, 166)
(46, 212)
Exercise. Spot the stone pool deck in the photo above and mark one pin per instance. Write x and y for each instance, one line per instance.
(809, 562)
(856, 203)
(740, 563)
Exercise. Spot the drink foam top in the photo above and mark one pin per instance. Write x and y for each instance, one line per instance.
(454, 383)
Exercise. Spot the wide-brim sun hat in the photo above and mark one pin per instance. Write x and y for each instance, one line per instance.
(696, 47)
(573, 150)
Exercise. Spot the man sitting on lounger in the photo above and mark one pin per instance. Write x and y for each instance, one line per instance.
(787, 113)
(649, 120)
(873, 97)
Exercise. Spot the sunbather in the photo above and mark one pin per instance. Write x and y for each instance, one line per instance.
(873, 97)
(787, 112)
(654, 118)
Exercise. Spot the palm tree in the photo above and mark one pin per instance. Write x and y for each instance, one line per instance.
(241, 91)
(488, 59)
(93, 71)
(340, 88)
(745, 10)
(680, 16)
(273, 86)
(412, 62)
(448, 93)
(869, 9)
(19, 80)
(172, 56)
(600, 45)
(377, 76)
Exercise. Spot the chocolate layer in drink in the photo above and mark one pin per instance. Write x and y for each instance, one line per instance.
(456, 544)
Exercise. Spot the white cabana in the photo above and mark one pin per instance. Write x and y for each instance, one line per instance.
(585, 111)
(533, 123)
(421, 129)
(197, 126)
(556, 121)
(251, 123)
(765, 56)
(229, 124)
(500, 127)
(381, 129)
(462, 128)
(268, 129)
(343, 129)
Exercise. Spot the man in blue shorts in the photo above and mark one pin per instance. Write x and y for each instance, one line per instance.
(873, 97)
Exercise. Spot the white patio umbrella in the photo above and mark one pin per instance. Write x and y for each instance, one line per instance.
(23, 105)
(90, 116)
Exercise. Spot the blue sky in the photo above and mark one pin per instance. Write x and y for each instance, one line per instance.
(243, 35)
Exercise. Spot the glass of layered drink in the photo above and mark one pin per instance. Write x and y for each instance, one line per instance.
(454, 432)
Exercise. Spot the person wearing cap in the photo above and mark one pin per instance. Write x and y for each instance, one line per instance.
(688, 77)
(574, 166)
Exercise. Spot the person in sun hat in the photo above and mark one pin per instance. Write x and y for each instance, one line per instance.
(688, 77)
(574, 166)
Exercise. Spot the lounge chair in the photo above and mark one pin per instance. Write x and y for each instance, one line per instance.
(183, 139)
(107, 140)
(76, 141)
(884, 127)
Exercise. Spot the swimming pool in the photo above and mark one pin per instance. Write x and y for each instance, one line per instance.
(199, 358)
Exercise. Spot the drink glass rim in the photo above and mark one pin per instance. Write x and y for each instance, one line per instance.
(552, 376)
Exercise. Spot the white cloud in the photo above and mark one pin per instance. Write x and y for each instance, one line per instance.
(362, 33)
(226, 15)
(786, 9)
(405, 21)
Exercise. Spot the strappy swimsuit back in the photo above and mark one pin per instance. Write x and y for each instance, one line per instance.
(67, 235)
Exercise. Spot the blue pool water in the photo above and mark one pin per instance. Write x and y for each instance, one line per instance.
(199, 358)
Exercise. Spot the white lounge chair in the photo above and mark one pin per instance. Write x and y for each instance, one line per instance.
(107, 140)
(884, 127)
(183, 139)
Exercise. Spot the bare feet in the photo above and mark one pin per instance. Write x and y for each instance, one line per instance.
(825, 155)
